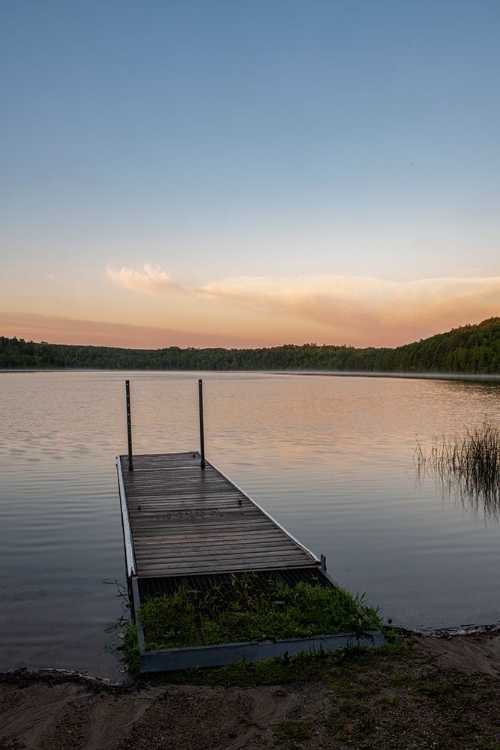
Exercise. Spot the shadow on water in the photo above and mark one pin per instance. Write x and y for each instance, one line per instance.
(465, 466)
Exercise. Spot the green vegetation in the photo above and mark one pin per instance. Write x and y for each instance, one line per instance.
(365, 708)
(467, 464)
(189, 618)
(469, 349)
(372, 707)
(291, 732)
(131, 650)
(390, 698)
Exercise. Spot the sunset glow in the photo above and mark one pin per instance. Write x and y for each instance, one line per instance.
(248, 175)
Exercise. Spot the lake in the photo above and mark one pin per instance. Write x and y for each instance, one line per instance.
(331, 458)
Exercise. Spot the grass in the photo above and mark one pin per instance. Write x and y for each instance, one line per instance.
(291, 732)
(467, 464)
(277, 671)
(191, 618)
(368, 709)
(390, 698)
(131, 650)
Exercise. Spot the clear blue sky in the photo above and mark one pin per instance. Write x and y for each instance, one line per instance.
(299, 145)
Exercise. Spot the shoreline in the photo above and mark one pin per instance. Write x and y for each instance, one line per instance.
(409, 693)
(423, 634)
(452, 376)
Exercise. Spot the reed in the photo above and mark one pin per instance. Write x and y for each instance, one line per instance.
(467, 464)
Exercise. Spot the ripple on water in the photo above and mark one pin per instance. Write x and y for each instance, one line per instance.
(330, 458)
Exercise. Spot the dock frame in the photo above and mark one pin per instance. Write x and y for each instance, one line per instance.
(187, 524)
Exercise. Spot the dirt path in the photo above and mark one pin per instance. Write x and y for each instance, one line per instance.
(57, 713)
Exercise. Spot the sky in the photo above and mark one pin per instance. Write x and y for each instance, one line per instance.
(241, 174)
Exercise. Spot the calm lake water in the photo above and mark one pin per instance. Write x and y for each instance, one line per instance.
(331, 458)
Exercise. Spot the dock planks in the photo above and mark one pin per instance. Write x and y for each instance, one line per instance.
(184, 520)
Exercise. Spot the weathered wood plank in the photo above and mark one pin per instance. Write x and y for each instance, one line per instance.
(218, 552)
(211, 567)
(148, 553)
(187, 520)
(240, 537)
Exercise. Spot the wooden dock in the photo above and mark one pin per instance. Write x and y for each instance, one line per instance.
(181, 520)
(189, 526)
(185, 524)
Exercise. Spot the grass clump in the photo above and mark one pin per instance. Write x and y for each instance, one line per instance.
(468, 464)
(290, 733)
(188, 617)
(131, 650)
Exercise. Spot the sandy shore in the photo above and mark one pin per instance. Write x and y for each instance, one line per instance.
(54, 711)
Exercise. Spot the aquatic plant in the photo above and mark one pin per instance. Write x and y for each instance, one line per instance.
(467, 464)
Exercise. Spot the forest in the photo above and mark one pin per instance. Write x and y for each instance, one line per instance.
(473, 349)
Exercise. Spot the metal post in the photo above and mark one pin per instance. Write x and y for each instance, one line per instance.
(129, 427)
(202, 431)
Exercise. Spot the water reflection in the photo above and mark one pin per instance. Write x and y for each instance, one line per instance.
(466, 466)
(330, 458)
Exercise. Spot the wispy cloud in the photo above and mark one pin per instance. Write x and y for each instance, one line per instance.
(150, 280)
(60, 330)
(353, 310)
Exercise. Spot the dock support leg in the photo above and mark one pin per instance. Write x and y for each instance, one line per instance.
(202, 430)
(129, 427)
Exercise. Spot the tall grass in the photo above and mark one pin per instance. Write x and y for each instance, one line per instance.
(467, 464)
(189, 618)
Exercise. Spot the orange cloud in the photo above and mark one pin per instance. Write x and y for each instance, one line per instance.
(361, 311)
(252, 311)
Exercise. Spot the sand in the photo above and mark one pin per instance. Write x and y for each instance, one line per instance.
(56, 711)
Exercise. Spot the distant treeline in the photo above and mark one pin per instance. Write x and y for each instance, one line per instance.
(469, 349)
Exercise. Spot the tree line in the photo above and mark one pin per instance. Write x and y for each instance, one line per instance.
(473, 349)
